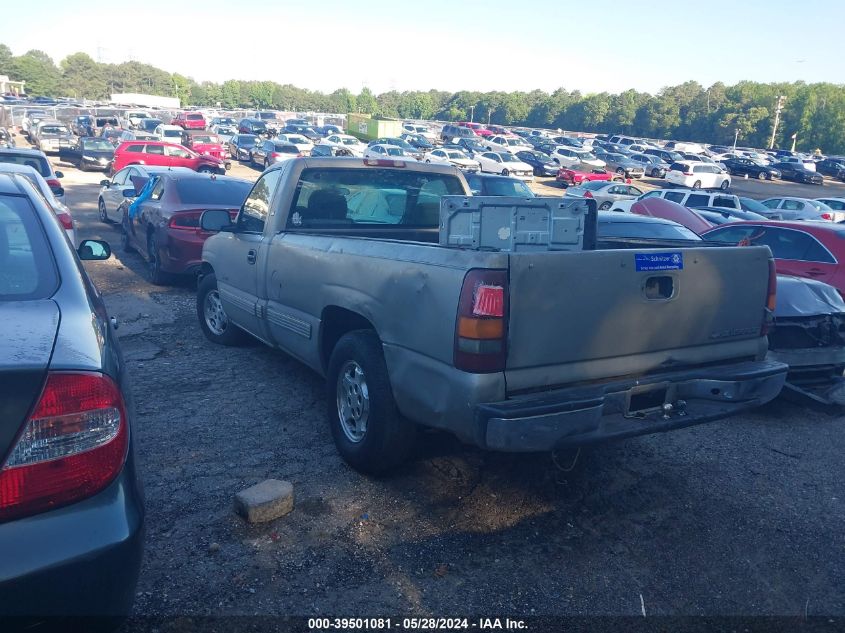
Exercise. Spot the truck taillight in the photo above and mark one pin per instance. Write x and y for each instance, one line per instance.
(383, 162)
(72, 446)
(771, 299)
(481, 326)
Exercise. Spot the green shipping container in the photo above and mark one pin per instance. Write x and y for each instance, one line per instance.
(367, 128)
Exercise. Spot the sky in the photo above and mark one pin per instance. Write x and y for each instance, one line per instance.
(452, 45)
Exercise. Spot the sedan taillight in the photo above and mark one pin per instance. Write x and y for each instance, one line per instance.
(72, 446)
(65, 220)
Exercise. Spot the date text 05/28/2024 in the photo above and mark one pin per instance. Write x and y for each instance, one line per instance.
(416, 624)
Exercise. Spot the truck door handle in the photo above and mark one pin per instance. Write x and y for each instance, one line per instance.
(250, 256)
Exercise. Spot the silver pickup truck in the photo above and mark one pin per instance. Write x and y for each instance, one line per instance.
(337, 262)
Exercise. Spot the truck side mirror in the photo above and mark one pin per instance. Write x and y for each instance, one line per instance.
(216, 220)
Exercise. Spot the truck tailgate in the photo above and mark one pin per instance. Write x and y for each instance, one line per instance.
(599, 314)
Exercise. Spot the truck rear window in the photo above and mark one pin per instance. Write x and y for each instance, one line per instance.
(340, 198)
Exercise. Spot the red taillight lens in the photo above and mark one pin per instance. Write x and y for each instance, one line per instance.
(65, 220)
(489, 301)
(826, 216)
(687, 173)
(73, 445)
(54, 184)
(481, 327)
(771, 299)
(588, 194)
(187, 221)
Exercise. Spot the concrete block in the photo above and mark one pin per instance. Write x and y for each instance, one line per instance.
(265, 501)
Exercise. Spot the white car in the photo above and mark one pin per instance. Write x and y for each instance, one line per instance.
(59, 208)
(692, 199)
(169, 133)
(302, 144)
(637, 148)
(512, 144)
(134, 117)
(453, 157)
(422, 130)
(794, 208)
(838, 206)
(809, 164)
(505, 164)
(698, 175)
(346, 141)
(391, 152)
(573, 158)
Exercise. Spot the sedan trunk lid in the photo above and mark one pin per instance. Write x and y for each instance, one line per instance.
(30, 329)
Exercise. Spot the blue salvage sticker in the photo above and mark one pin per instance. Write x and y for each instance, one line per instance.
(659, 261)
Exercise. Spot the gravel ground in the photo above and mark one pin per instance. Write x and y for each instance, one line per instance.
(743, 516)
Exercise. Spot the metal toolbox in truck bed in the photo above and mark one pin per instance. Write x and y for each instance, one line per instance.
(517, 224)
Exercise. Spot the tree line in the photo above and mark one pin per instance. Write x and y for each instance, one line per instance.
(815, 113)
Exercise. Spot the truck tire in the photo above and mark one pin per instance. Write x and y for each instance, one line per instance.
(214, 322)
(369, 432)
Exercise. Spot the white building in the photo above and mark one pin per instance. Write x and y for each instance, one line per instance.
(9, 86)
(141, 100)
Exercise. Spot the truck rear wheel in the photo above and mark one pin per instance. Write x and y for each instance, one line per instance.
(214, 321)
(369, 432)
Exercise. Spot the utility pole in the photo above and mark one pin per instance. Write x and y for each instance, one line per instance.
(490, 114)
(736, 136)
(471, 113)
(778, 108)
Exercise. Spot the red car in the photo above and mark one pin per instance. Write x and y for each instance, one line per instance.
(479, 129)
(189, 120)
(206, 144)
(161, 154)
(803, 249)
(575, 177)
(668, 210)
(164, 229)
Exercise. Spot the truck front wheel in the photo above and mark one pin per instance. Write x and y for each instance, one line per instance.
(214, 321)
(369, 432)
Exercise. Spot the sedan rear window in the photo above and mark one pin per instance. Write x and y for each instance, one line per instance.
(38, 163)
(201, 191)
(27, 270)
(646, 230)
(54, 129)
(594, 185)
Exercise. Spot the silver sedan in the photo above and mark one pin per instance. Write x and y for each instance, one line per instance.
(605, 193)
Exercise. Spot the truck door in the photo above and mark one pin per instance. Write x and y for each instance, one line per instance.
(238, 265)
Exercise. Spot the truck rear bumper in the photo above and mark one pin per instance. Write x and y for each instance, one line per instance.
(592, 414)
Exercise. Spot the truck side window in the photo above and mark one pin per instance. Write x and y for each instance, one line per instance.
(254, 211)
